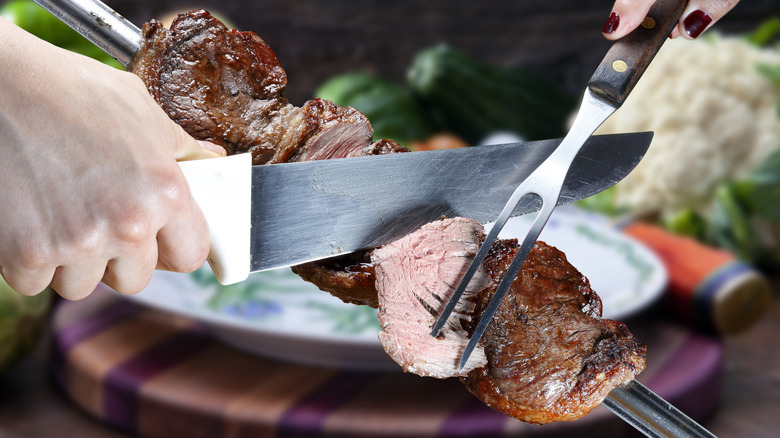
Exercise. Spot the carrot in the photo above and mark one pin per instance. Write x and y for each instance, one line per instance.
(707, 286)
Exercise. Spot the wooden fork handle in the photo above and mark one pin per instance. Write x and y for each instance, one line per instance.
(628, 58)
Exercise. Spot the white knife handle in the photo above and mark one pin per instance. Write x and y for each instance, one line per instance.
(222, 187)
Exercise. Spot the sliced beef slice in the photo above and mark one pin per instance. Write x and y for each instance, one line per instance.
(220, 85)
(415, 277)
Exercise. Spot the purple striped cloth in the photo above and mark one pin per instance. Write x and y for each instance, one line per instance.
(159, 375)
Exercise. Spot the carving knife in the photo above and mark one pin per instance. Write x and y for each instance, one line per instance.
(271, 216)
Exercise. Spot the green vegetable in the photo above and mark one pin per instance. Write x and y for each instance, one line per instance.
(392, 109)
(767, 32)
(730, 224)
(760, 191)
(735, 227)
(476, 99)
(602, 202)
(687, 222)
(39, 22)
(22, 320)
(745, 216)
(772, 72)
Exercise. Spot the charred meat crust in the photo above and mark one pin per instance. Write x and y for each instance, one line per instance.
(212, 80)
(349, 278)
(227, 87)
(550, 355)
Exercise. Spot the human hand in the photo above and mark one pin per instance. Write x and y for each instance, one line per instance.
(91, 188)
(697, 17)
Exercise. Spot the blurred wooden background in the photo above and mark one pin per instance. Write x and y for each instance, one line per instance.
(316, 39)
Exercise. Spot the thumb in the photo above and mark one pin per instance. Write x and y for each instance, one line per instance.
(626, 15)
(188, 148)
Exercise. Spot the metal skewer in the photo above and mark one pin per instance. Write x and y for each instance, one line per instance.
(633, 402)
(99, 24)
(650, 414)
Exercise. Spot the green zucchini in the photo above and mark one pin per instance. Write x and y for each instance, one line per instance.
(392, 109)
(476, 99)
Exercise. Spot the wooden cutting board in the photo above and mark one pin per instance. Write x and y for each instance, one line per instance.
(160, 375)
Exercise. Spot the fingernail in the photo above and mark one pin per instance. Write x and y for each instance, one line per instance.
(695, 23)
(612, 23)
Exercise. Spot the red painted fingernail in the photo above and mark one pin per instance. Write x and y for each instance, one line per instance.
(612, 23)
(696, 22)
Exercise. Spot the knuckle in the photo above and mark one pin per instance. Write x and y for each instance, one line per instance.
(175, 191)
(34, 257)
(186, 257)
(130, 275)
(134, 225)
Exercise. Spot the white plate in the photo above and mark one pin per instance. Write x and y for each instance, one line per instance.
(276, 314)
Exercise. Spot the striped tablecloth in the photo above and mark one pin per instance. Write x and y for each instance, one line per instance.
(159, 375)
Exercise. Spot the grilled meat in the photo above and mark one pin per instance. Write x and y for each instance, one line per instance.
(227, 87)
(550, 355)
(349, 277)
(415, 277)
(546, 356)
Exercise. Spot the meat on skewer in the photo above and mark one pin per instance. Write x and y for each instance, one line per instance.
(547, 355)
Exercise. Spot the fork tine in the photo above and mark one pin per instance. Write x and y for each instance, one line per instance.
(509, 276)
(519, 193)
(545, 182)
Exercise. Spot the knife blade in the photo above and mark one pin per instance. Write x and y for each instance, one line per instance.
(266, 217)
(272, 216)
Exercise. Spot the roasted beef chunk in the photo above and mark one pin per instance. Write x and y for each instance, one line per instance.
(220, 85)
(349, 277)
(227, 87)
(550, 355)
(546, 356)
